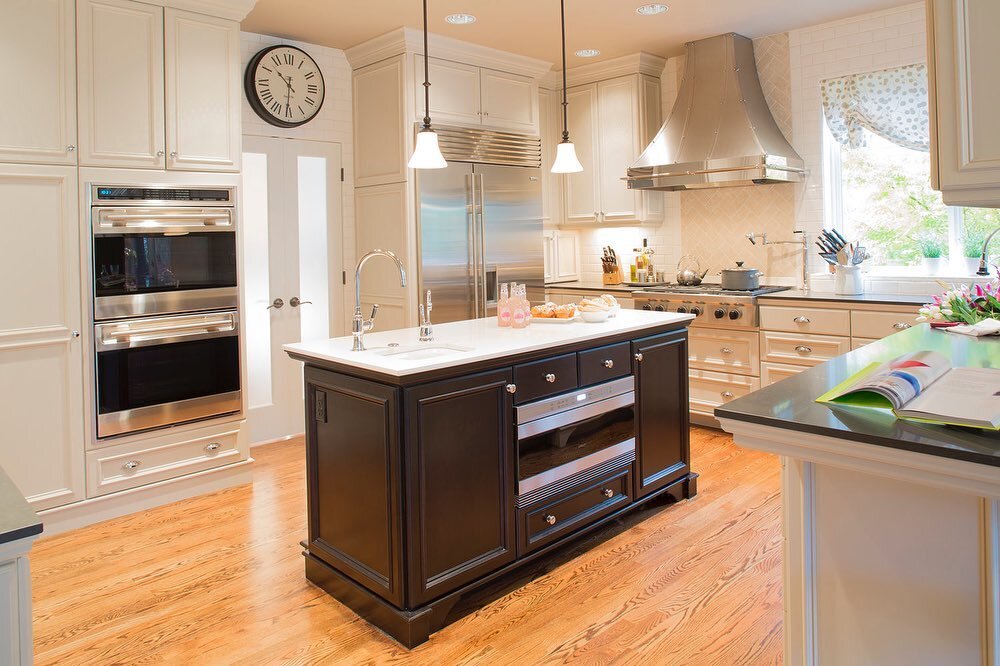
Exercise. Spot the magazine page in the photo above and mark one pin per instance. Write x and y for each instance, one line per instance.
(899, 381)
(964, 396)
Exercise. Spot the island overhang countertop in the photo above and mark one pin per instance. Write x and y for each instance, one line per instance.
(398, 353)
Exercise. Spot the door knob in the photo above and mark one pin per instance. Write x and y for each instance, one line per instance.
(295, 302)
(277, 304)
(511, 388)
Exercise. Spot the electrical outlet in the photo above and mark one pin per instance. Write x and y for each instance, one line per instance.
(321, 406)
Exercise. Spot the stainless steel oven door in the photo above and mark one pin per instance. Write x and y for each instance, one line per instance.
(162, 260)
(568, 434)
(160, 371)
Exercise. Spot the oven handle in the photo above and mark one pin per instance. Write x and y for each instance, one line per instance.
(117, 221)
(575, 415)
(109, 338)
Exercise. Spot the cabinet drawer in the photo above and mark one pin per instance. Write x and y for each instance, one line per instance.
(865, 324)
(573, 509)
(546, 377)
(131, 465)
(724, 351)
(775, 372)
(708, 390)
(802, 349)
(805, 320)
(605, 363)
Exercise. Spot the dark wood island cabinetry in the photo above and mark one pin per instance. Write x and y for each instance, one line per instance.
(415, 493)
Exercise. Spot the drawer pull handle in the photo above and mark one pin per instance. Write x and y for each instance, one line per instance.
(726, 350)
(550, 519)
(802, 349)
(727, 394)
(638, 357)
(511, 388)
(214, 446)
(550, 378)
(608, 363)
(131, 464)
(607, 492)
(901, 326)
(801, 320)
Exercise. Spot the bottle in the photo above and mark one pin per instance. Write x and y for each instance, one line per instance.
(519, 310)
(648, 252)
(503, 307)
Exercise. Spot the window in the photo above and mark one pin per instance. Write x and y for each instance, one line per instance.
(878, 178)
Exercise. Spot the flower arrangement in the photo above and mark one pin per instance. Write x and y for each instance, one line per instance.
(963, 304)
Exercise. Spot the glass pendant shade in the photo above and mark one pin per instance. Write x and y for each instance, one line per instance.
(566, 160)
(427, 153)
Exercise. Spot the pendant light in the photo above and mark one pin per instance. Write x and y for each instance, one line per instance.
(566, 160)
(427, 152)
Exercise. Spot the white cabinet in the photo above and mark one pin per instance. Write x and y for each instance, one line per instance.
(610, 122)
(562, 255)
(41, 356)
(15, 603)
(120, 70)
(202, 60)
(38, 121)
(157, 89)
(963, 52)
(550, 131)
(470, 95)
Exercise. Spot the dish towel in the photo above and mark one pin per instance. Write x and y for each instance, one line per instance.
(984, 327)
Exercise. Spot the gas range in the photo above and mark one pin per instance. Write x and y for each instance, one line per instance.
(711, 304)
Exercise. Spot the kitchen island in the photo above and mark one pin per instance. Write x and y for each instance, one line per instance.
(435, 467)
(892, 527)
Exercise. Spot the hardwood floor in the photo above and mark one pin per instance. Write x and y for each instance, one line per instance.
(218, 579)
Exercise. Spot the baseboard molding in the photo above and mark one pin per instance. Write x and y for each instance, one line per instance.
(98, 509)
(277, 440)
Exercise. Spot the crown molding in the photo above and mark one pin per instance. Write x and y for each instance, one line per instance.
(636, 63)
(234, 10)
(411, 40)
(552, 80)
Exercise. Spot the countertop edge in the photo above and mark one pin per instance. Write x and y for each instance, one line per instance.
(826, 297)
(21, 533)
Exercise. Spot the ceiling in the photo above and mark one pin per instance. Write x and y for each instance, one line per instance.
(531, 27)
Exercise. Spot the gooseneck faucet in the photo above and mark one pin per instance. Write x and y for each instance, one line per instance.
(982, 255)
(360, 325)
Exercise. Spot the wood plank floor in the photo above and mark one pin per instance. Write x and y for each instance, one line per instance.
(218, 579)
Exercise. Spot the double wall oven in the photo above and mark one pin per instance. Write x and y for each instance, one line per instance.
(165, 303)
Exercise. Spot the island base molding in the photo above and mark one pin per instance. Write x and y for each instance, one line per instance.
(890, 556)
(413, 627)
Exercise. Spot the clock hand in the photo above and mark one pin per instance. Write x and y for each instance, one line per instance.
(288, 83)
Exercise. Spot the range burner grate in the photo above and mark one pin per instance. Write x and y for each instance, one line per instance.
(715, 289)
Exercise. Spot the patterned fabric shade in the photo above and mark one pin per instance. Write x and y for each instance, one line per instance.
(891, 103)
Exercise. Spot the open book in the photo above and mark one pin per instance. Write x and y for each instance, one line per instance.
(923, 386)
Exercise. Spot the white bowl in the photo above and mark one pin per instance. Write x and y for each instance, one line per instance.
(595, 316)
(615, 309)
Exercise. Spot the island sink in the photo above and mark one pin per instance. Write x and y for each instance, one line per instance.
(424, 350)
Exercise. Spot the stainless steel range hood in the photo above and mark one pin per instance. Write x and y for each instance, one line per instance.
(720, 132)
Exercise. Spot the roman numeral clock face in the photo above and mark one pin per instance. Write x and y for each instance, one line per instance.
(284, 86)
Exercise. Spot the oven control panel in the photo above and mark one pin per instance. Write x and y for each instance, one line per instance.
(720, 314)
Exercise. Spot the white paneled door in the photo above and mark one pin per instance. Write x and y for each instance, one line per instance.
(292, 265)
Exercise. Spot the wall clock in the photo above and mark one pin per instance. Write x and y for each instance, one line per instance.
(284, 86)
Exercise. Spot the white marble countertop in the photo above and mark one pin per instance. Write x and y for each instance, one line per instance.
(461, 342)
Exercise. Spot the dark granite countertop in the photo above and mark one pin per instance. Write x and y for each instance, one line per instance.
(17, 519)
(790, 404)
(585, 285)
(884, 299)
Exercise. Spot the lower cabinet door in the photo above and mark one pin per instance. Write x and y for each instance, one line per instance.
(663, 451)
(460, 482)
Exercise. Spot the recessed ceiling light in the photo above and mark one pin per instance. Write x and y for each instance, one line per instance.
(460, 19)
(650, 10)
(588, 53)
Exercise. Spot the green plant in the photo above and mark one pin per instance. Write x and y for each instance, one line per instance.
(930, 247)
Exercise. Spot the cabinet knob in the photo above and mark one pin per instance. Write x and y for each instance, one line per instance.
(726, 350)
(131, 464)
(608, 363)
(803, 349)
(75, 334)
(638, 357)
(727, 394)
(801, 320)
(901, 326)
(213, 446)
(511, 388)
(607, 492)
(159, 153)
(70, 148)
(550, 378)
(550, 519)
(173, 154)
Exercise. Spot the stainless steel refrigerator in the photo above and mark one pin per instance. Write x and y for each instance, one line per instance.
(480, 224)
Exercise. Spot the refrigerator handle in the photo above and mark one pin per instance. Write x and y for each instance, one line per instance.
(471, 192)
(481, 266)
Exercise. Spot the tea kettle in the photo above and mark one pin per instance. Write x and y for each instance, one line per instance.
(689, 271)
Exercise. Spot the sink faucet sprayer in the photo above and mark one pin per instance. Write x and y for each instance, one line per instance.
(360, 325)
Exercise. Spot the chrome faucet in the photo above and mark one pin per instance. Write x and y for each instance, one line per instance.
(982, 255)
(426, 333)
(360, 325)
(804, 244)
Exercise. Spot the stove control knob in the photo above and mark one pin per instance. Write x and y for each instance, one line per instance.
(660, 308)
(647, 306)
(681, 309)
(735, 314)
(720, 313)
(696, 311)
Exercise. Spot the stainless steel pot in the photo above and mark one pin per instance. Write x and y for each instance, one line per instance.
(740, 278)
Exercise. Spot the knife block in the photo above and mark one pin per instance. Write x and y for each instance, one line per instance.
(614, 277)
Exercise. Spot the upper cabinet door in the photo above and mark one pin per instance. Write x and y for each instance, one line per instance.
(964, 52)
(618, 120)
(454, 91)
(120, 69)
(582, 196)
(40, 36)
(509, 101)
(202, 63)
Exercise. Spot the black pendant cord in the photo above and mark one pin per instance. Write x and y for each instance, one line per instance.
(565, 104)
(427, 78)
